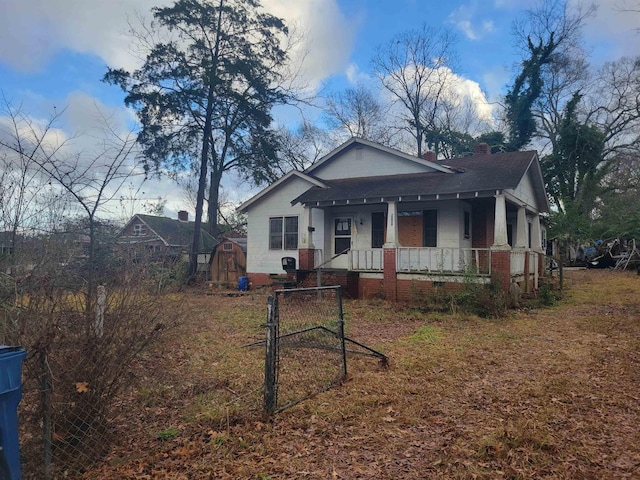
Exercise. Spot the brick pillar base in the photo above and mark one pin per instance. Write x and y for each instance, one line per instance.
(527, 278)
(306, 258)
(501, 268)
(541, 264)
(390, 277)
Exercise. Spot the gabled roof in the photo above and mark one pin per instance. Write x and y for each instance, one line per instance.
(240, 241)
(313, 181)
(480, 174)
(391, 151)
(174, 233)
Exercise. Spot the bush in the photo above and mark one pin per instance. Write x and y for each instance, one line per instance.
(477, 299)
(79, 360)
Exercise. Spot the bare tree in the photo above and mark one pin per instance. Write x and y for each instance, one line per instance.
(613, 105)
(415, 67)
(356, 112)
(301, 147)
(91, 179)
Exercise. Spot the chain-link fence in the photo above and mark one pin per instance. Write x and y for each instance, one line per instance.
(305, 345)
(76, 368)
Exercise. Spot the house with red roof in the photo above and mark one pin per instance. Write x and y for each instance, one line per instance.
(385, 223)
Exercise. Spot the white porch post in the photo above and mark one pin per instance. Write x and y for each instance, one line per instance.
(500, 238)
(536, 234)
(391, 241)
(521, 232)
(306, 236)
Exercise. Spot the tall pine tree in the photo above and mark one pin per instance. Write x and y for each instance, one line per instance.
(204, 97)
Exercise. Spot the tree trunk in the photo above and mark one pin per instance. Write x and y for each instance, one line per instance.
(204, 154)
(214, 201)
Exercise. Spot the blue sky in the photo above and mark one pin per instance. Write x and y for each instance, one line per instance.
(54, 52)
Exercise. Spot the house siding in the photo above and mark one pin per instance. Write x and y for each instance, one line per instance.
(363, 160)
(525, 191)
(276, 204)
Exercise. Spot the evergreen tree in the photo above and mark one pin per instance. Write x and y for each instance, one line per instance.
(204, 97)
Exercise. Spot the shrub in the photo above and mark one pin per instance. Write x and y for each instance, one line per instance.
(79, 359)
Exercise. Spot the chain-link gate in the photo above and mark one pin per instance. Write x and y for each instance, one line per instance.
(305, 352)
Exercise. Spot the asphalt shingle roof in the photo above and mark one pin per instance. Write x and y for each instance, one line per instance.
(475, 173)
(176, 232)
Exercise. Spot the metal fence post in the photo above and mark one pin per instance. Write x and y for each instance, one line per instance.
(270, 364)
(341, 332)
(45, 388)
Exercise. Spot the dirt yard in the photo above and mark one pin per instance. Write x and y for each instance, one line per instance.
(543, 393)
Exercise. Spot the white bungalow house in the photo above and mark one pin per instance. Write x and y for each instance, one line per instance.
(382, 222)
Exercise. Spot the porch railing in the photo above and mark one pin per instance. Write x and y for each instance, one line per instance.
(517, 262)
(476, 261)
(366, 260)
(533, 263)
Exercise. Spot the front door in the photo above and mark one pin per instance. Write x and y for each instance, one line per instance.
(341, 241)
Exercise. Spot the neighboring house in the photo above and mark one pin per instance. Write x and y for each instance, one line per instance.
(229, 260)
(6, 243)
(385, 223)
(164, 238)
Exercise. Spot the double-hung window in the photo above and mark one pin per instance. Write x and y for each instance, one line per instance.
(283, 233)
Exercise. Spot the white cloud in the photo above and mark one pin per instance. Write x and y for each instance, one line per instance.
(328, 36)
(468, 19)
(32, 32)
(356, 76)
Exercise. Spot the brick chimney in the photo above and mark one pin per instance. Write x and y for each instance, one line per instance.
(429, 156)
(482, 149)
(183, 216)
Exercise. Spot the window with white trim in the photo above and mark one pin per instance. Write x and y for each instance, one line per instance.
(283, 233)
(139, 229)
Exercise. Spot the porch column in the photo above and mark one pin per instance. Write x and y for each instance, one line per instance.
(500, 238)
(521, 231)
(306, 250)
(536, 239)
(391, 240)
(500, 250)
(536, 234)
(306, 228)
(390, 246)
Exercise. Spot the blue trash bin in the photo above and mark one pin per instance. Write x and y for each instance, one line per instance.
(10, 395)
(243, 284)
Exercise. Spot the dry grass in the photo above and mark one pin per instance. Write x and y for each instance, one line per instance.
(549, 393)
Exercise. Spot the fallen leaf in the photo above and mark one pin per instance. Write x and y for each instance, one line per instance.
(82, 387)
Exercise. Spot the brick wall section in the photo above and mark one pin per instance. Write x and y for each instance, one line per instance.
(528, 280)
(411, 290)
(389, 274)
(306, 258)
(501, 268)
(541, 270)
(371, 288)
(259, 279)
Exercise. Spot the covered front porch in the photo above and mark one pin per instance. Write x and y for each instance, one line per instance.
(383, 247)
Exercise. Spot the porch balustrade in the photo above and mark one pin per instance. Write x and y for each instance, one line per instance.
(533, 263)
(518, 262)
(366, 260)
(476, 261)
